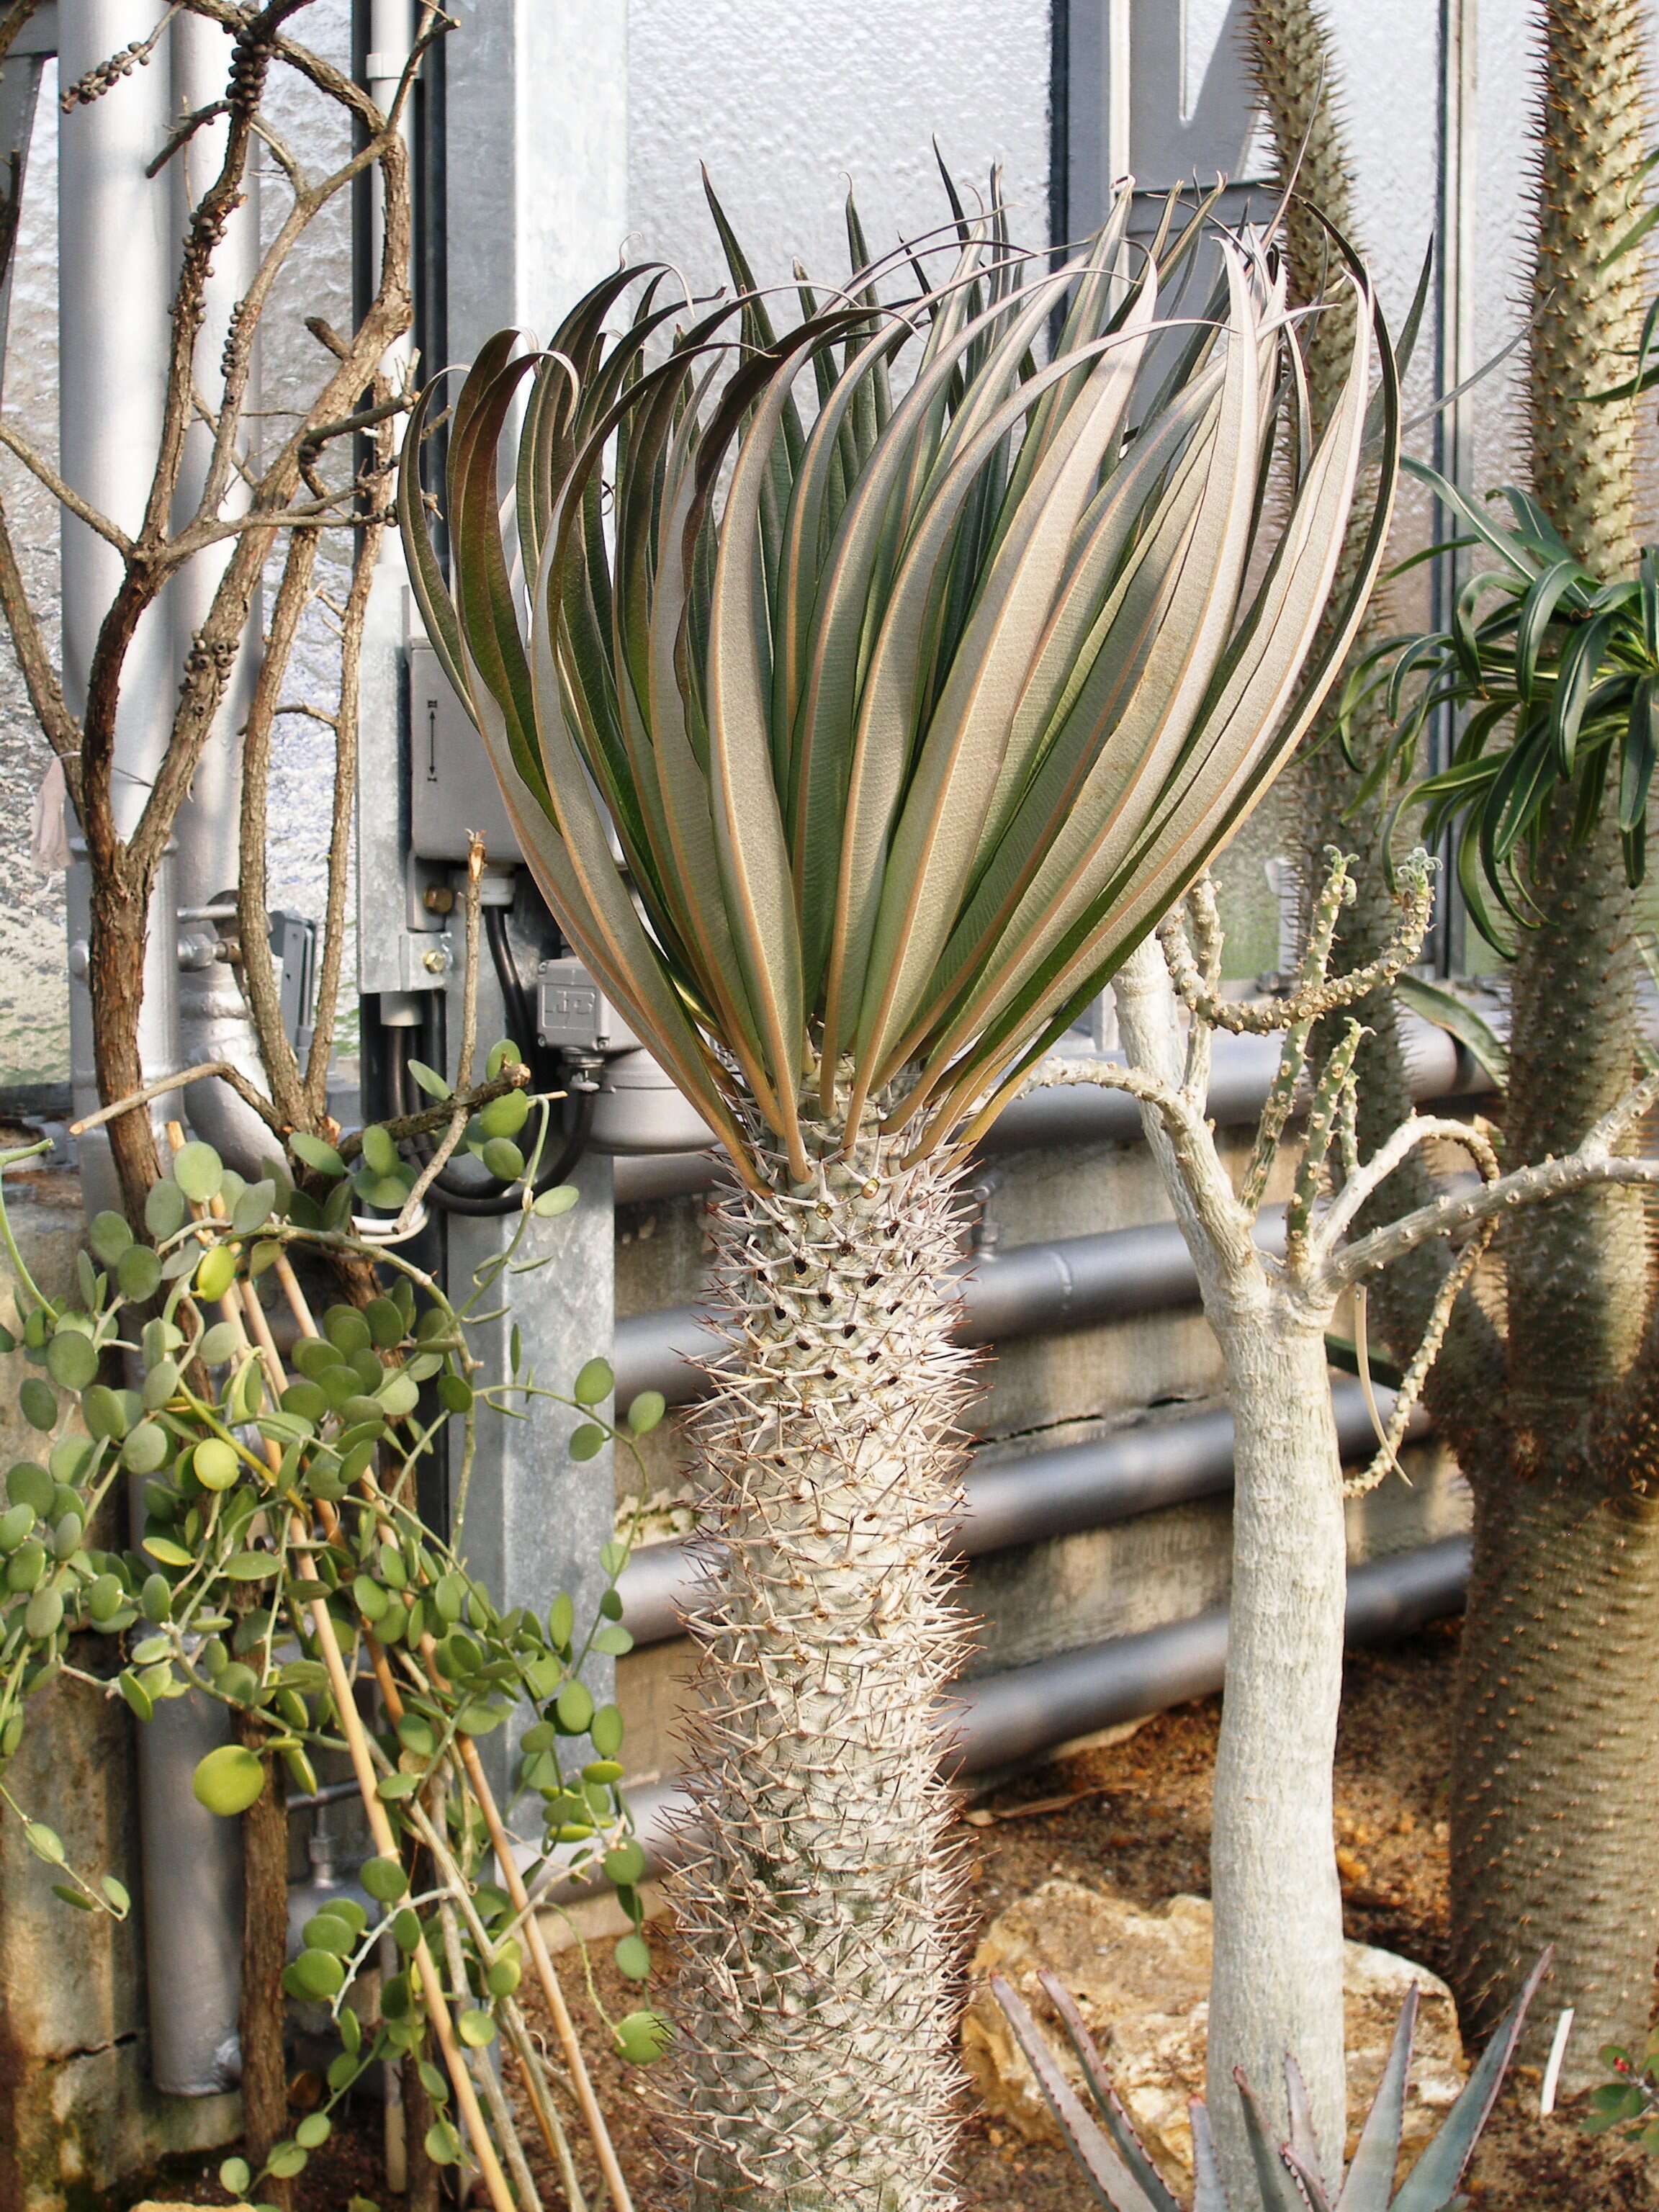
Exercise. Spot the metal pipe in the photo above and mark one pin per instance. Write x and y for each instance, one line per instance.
(1031, 1499)
(1002, 1719)
(114, 267)
(1031, 1290)
(1243, 1067)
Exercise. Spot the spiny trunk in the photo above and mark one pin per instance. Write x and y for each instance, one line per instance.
(1553, 1838)
(815, 2006)
(1276, 1981)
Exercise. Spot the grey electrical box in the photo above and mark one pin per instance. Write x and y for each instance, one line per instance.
(453, 792)
(574, 1014)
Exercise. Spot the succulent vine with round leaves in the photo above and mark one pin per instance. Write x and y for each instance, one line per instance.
(259, 1505)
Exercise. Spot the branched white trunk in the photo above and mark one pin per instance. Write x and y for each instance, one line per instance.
(815, 2006)
(1277, 1984)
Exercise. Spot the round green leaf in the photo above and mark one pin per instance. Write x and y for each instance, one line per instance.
(313, 2131)
(46, 1842)
(560, 1199)
(428, 1079)
(443, 2145)
(116, 1892)
(505, 1115)
(503, 1159)
(147, 1449)
(646, 1412)
(594, 1381)
(574, 1707)
(399, 1396)
(164, 1211)
(25, 1566)
(384, 1879)
(221, 1342)
(108, 1235)
(633, 1956)
(642, 2037)
(316, 1153)
(236, 2177)
(139, 1273)
(227, 1781)
(319, 1973)
(15, 1523)
(347, 1330)
(216, 1273)
(29, 1484)
(606, 1732)
(587, 1441)
(72, 1359)
(38, 1403)
(379, 1150)
(504, 1977)
(285, 2161)
(625, 1865)
(385, 1321)
(199, 1171)
(215, 1464)
(43, 1615)
(103, 1412)
(476, 2029)
(137, 1696)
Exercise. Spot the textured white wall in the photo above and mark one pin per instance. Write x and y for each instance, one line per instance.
(788, 101)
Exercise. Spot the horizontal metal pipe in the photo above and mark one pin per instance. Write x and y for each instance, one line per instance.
(1020, 1714)
(1241, 1069)
(1029, 1290)
(1025, 1500)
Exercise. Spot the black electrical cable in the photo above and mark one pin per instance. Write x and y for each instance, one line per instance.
(514, 996)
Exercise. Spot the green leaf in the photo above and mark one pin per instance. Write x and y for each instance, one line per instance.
(551, 1204)
(228, 1780)
(236, 2177)
(139, 1273)
(199, 1171)
(108, 1237)
(646, 1412)
(574, 1708)
(72, 1359)
(642, 2037)
(216, 1273)
(46, 1842)
(316, 1152)
(605, 1732)
(215, 1464)
(165, 1210)
(594, 1383)
(587, 1441)
(443, 2145)
(476, 2029)
(37, 1403)
(384, 1879)
(428, 1079)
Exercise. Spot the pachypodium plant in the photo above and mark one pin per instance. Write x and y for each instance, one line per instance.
(1276, 1982)
(1289, 2176)
(281, 1558)
(912, 674)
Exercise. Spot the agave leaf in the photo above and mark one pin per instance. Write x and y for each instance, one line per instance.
(1105, 2171)
(1119, 2125)
(1282, 2189)
(1303, 2149)
(1432, 2182)
(1370, 2177)
(1208, 2194)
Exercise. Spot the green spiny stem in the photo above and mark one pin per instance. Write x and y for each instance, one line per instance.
(815, 2069)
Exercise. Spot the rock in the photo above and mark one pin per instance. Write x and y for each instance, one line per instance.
(1141, 1981)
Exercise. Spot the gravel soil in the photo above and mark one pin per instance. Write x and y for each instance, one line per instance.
(1135, 1817)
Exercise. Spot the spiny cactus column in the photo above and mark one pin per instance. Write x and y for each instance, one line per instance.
(814, 2015)
(1553, 1837)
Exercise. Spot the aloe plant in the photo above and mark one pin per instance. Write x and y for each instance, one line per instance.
(911, 676)
(1288, 2176)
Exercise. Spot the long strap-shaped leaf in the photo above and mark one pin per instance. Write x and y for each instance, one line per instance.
(1370, 2184)
(1119, 2125)
(1105, 2171)
(1432, 2182)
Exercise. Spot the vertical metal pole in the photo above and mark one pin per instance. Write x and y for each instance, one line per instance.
(213, 1016)
(115, 265)
(1454, 426)
(536, 113)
